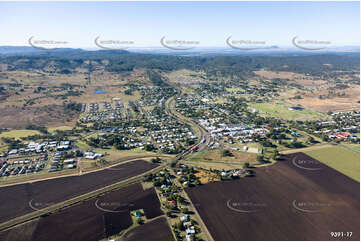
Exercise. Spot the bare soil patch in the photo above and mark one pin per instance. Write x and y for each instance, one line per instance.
(94, 219)
(297, 198)
(23, 198)
(156, 230)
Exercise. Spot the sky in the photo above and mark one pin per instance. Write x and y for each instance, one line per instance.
(207, 23)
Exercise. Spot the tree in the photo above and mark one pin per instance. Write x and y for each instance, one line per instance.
(184, 210)
(297, 144)
(156, 160)
(149, 147)
(140, 221)
(128, 92)
(275, 155)
(246, 165)
(225, 153)
(325, 138)
(180, 226)
(310, 139)
(260, 158)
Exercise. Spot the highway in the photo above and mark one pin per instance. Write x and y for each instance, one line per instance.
(204, 137)
(203, 141)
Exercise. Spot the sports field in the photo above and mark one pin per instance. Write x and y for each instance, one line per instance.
(344, 160)
(17, 134)
(59, 128)
(280, 110)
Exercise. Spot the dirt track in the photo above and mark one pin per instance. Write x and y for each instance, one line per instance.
(298, 198)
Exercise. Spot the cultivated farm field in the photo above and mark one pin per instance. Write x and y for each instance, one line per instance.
(94, 219)
(344, 160)
(147, 232)
(24, 198)
(280, 110)
(297, 198)
(17, 134)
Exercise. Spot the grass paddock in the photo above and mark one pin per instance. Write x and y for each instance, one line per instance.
(339, 158)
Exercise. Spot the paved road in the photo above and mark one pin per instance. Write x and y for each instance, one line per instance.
(74, 200)
(118, 162)
(204, 135)
(204, 139)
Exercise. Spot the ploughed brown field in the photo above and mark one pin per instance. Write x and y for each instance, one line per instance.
(298, 198)
(156, 230)
(20, 199)
(94, 219)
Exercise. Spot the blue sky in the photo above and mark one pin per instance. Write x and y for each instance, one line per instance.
(210, 23)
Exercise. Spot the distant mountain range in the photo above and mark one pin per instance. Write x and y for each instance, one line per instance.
(199, 51)
(59, 52)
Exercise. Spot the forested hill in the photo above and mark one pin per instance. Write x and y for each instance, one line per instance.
(67, 60)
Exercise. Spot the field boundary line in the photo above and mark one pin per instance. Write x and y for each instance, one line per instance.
(83, 173)
(291, 151)
(348, 148)
(72, 201)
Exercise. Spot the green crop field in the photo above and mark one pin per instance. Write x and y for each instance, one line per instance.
(354, 147)
(280, 110)
(17, 134)
(59, 128)
(344, 160)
